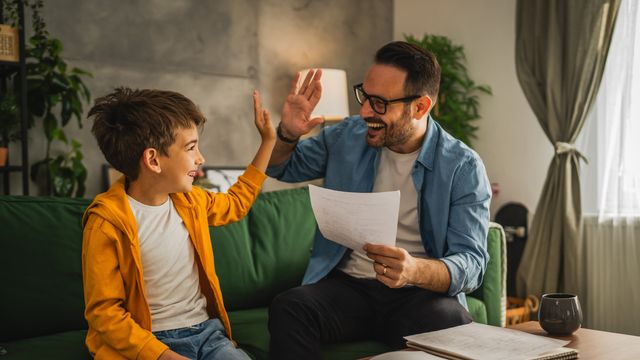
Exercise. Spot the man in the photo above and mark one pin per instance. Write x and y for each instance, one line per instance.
(394, 144)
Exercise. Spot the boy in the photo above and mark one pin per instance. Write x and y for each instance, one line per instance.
(150, 287)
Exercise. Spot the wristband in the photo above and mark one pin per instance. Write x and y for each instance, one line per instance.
(283, 138)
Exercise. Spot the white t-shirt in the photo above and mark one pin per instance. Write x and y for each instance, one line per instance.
(394, 173)
(171, 277)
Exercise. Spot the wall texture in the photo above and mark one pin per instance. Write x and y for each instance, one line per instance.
(214, 52)
(514, 148)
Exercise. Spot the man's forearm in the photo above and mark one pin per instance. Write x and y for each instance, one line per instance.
(432, 274)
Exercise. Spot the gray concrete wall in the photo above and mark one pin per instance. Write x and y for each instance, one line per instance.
(214, 52)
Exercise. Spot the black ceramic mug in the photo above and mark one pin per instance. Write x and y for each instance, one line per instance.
(560, 314)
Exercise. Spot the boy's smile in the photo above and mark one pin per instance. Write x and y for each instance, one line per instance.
(180, 167)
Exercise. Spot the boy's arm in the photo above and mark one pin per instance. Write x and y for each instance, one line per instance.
(104, 296)
(233, 206)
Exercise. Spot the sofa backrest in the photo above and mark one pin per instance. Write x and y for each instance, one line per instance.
(40, 266)
(493, 291)
(266, 252)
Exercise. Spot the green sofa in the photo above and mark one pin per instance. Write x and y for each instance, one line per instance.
(41, 303)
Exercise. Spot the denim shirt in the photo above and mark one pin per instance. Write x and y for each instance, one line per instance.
(451, 183)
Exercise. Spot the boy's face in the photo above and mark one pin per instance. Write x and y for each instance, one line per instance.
(180, 167)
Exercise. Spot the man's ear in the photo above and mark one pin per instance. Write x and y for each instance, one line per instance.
(423, 106)
(150, 160)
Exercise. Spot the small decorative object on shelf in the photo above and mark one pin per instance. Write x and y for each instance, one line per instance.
(9, 44)
(4, 152)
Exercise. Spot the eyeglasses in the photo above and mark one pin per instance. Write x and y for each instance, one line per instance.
(378, 104)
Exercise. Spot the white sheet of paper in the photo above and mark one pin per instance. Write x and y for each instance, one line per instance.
(353, 219)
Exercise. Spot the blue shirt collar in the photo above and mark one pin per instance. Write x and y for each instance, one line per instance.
(428, 152)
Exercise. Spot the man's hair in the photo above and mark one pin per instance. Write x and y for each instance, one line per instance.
(423, 70)
(126, 122)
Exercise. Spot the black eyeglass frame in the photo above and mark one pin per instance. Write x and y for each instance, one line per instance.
(359, 87)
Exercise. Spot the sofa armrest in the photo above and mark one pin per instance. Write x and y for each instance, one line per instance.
(493, 291)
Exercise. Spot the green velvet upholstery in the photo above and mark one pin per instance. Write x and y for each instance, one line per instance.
(41, 304)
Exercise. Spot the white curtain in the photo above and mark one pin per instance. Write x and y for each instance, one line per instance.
(612, 131)
(610, 293)
(611, 186)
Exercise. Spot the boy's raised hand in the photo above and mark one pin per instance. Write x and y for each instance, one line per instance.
(296, 112)
(267, 132)
(263, 120)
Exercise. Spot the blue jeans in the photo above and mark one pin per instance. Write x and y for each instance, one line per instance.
(203, 341)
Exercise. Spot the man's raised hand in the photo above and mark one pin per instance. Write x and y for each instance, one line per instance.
(297, 109)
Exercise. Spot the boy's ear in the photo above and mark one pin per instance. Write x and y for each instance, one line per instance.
(150, 160)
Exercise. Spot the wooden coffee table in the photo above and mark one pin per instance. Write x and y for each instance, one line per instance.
(593, 344)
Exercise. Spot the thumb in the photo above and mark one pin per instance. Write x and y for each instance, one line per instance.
(316, 121)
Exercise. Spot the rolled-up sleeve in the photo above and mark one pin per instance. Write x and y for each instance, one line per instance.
(309, 158)
(467, 256)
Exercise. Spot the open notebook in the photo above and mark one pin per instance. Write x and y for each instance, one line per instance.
(478, 341)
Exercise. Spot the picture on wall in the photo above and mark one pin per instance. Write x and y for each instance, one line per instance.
(220, 178)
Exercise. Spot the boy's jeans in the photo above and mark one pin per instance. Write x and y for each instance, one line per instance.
(204, 341)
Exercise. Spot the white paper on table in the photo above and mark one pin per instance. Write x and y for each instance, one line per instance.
(406, 355)
(353, 219)
(479, 341)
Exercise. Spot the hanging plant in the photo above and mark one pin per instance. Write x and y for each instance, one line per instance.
(457, 106)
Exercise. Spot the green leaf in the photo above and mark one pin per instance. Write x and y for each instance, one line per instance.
(458, 103)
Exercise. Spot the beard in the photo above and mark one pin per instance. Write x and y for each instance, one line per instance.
(395, 133)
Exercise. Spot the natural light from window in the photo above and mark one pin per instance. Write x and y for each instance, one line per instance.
(611, 136)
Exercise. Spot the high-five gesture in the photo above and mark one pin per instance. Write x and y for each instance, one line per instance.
(296, 112)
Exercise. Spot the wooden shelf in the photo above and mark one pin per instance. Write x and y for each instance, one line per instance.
(16, 168)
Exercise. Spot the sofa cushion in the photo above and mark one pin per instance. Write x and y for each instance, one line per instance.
(61, 346)
(40, 266)
(266, 252)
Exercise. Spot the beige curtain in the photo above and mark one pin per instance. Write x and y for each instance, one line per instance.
(561, 48)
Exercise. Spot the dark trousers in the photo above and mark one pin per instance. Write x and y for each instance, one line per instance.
(342, 308)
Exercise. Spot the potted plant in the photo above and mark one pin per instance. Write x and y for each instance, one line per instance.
(55, 95)
(457, 106)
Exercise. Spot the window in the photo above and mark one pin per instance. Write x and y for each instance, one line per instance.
(611, 136)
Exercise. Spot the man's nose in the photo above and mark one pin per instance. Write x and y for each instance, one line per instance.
(366, 110)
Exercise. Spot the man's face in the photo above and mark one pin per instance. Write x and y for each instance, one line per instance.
(180, 167)
(396, 126)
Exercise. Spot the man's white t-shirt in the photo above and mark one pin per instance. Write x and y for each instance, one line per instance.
(171, 277)
(394, 173)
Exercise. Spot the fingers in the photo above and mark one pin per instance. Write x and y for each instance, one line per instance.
(315, 94)
(266, 118)
(314, 87)
(257, 107)
(316, 121)
(388, 275)
(294, 84)
(305, 83)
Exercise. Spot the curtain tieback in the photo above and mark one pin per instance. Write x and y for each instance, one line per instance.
(564, 147)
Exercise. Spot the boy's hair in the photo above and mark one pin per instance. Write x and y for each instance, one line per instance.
(423, 70)
(126, 122)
